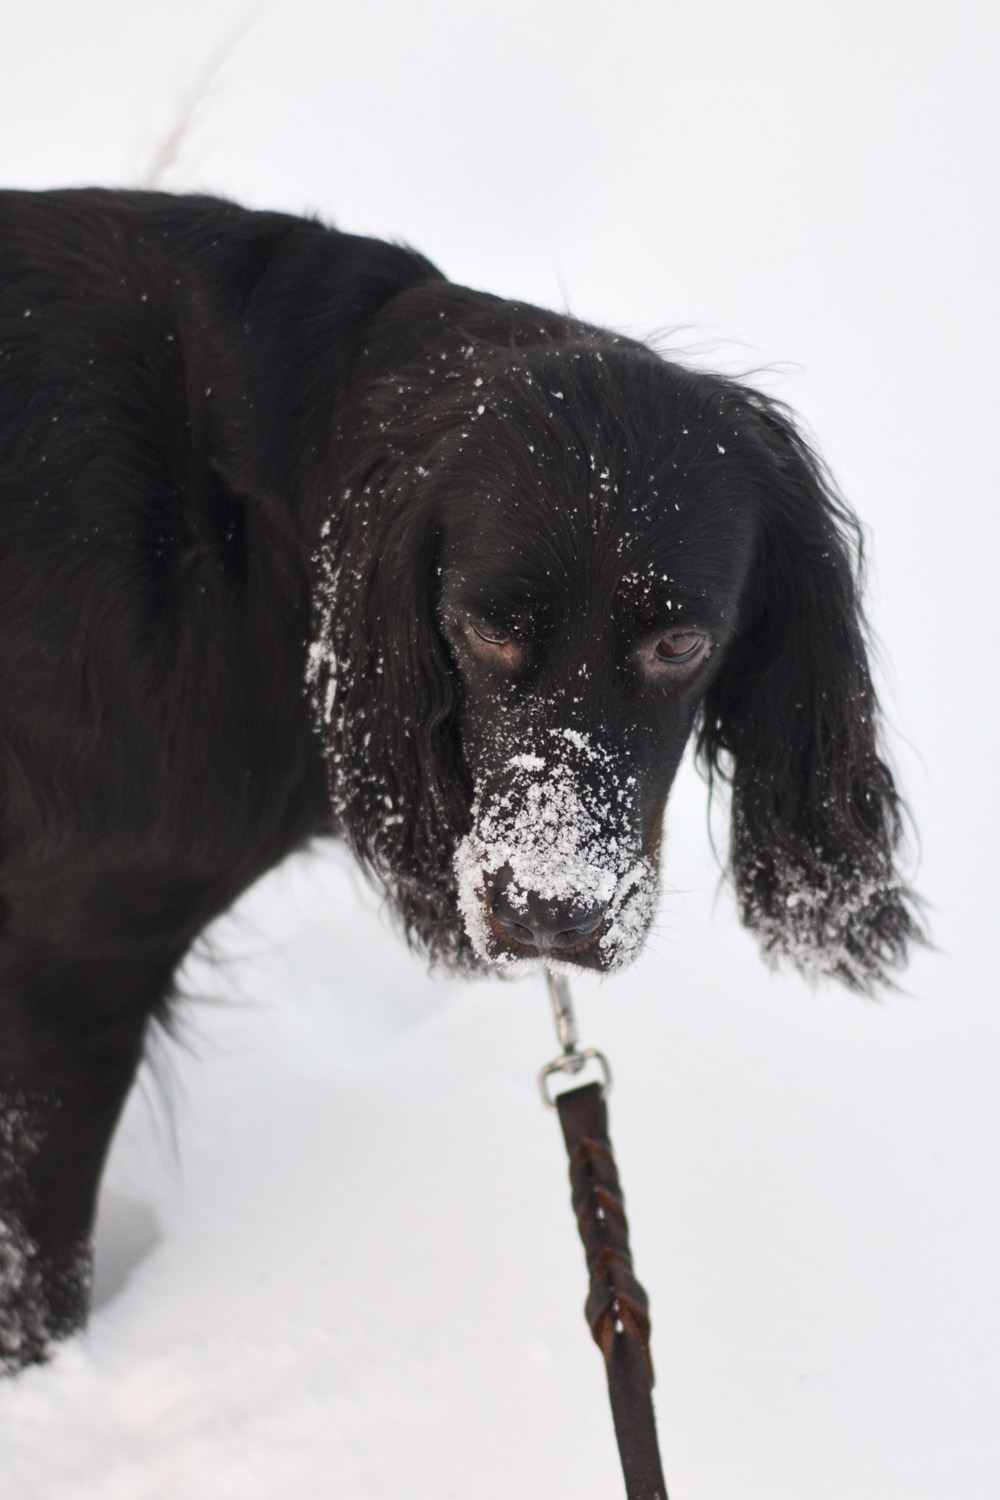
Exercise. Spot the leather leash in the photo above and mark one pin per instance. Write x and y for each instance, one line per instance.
(617, 1308)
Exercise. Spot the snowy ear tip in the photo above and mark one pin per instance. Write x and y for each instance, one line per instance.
(829, 924)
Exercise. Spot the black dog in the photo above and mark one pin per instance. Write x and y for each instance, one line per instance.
(299, 538)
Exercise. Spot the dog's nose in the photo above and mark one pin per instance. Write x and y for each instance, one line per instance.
(546, 925)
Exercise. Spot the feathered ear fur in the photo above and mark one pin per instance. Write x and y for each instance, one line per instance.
(384, 689)
(792, 721)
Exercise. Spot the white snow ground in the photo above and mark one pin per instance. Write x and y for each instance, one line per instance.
(348, 1267)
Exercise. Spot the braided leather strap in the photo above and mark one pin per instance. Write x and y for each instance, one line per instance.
(617, 1308)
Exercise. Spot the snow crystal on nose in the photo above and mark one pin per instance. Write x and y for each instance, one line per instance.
(560, 845)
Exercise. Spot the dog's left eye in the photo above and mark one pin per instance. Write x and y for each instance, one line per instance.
(679, 646)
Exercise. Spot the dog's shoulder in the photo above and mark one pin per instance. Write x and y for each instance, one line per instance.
(152, 613)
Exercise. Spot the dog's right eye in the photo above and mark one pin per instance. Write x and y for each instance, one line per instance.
(488, 635)
(493, 646)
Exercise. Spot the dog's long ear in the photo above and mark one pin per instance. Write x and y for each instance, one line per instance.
(792, 721)
(384, 688)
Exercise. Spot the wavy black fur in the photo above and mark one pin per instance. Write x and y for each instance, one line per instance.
(257, 479)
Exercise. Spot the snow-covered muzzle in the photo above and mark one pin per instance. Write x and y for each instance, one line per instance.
(553, 867)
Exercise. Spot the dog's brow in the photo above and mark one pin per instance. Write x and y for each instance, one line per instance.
(513, 607)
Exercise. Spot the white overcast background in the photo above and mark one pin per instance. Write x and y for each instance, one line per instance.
(336, 1255)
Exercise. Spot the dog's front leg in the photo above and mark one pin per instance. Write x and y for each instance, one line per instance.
(65, 1068)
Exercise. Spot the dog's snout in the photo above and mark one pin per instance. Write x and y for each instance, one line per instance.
(549, 926)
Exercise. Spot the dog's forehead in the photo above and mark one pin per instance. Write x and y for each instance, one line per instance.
(629, 544)
(611, 464)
